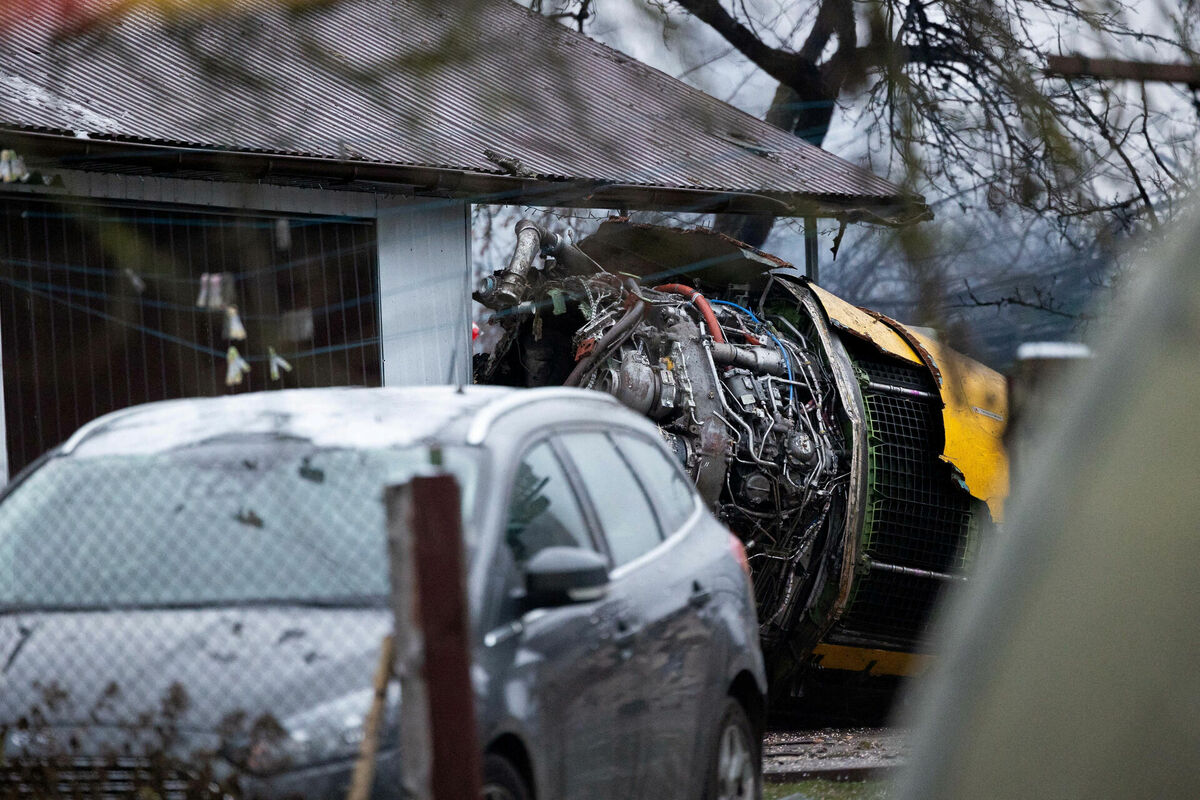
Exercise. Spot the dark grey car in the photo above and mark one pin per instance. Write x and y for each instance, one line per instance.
(193, 596)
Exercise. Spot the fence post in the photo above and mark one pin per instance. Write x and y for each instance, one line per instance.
(438, 741)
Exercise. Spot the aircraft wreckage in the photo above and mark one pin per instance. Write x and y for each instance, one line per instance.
(858, 459)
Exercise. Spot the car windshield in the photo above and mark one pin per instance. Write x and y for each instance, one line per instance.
(251, 521)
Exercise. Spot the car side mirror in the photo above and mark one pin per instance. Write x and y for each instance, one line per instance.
(557, 576)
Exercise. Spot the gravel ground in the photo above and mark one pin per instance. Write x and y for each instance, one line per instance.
(854, 753)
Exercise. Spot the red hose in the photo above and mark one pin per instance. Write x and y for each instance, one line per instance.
(706, 311)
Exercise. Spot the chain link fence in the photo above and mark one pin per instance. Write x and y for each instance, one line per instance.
(194, 622)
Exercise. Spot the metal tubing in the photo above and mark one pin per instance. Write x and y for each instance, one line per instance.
(710, 318)
(720, 392)
(913, 571)
(901, 390)
(511, 288)
(758, 359)
(615, 336)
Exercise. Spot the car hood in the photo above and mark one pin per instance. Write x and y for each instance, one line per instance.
(213, 670)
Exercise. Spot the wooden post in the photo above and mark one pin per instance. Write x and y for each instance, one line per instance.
(438, 741)
(364, 768)
(415, 751)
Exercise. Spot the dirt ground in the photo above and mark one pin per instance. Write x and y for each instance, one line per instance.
(822, 789)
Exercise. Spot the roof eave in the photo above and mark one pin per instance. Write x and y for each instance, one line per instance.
(66, 149)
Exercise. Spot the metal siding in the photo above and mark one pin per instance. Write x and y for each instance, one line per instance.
(425, 84)
(424, 307)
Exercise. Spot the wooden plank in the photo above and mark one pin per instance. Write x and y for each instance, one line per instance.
(414, 719)
(364, 767)
(442, 610)
(438, 740)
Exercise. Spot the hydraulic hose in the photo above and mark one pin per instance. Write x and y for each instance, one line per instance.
(710, 319)
(615, 336)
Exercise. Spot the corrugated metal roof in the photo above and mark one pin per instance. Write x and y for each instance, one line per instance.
(479, 86)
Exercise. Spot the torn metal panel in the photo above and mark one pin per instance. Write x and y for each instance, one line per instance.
(974, 396)
(908, 335)
(975, 416)
(865, 325)
(701, 255)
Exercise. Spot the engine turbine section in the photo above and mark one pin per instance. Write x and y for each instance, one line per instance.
(816, 438)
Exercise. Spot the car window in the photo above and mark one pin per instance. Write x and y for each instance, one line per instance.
(666, 483)
(543, 510)
(628, 520)
(230, 521)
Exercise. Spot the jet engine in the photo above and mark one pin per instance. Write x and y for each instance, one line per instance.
(858, 459)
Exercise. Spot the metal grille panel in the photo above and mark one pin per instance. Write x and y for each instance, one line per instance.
(917, 516)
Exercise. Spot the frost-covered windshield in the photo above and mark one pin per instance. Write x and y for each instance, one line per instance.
(252, 520)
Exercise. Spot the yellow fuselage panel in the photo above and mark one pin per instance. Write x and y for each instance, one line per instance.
(863, 325)
(974, 397)
(869, 660)
(975, 413)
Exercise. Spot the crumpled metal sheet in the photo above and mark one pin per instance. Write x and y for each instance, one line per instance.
(975, 415)
(864, 324)
(974, 396)
(655, 253)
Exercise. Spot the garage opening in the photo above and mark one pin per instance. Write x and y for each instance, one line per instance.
(104, 306)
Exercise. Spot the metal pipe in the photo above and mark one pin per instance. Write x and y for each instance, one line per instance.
(758, 359)
(512, 285)
(615, 336)
(710, 319)
(720, 391)
(891, 388)
(811, 253)
(913, 571)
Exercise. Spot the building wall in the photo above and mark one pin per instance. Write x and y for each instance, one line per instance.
(424, 291)
(423, 254)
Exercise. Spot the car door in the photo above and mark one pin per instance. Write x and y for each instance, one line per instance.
(633, 535)
(681, 655)
(567, 670)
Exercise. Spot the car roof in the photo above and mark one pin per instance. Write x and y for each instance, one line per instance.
(332, 417)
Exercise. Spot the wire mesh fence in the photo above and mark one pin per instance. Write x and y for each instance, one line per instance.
(200, 621)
